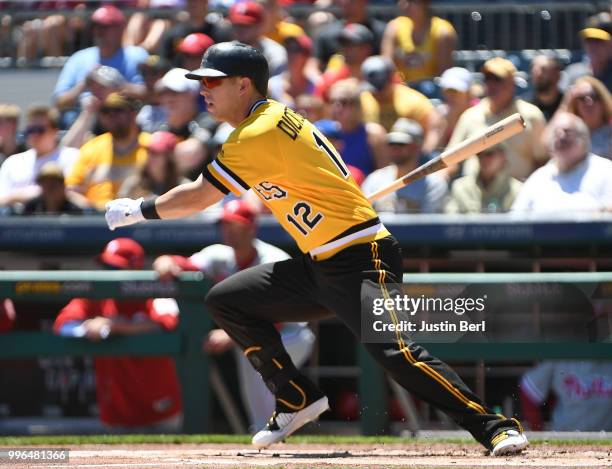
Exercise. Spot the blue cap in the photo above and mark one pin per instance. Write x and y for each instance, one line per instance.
(331, 129)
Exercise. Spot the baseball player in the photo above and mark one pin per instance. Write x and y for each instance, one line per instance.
(241, 250)
(302, 180)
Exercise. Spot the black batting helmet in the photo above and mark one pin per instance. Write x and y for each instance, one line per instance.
(234, 59)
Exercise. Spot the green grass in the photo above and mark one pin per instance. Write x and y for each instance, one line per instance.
(74, 440)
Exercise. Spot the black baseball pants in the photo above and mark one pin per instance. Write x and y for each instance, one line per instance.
(248, 304)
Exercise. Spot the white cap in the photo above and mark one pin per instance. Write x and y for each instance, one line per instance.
(174, 80)
(455, 78)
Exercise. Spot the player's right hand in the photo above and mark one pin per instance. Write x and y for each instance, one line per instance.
(123, 212)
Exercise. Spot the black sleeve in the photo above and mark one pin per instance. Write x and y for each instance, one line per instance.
(213, 180)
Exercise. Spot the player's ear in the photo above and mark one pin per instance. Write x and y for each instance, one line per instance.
(245, 84)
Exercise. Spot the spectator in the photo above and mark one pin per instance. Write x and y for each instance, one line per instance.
(287, 86)
(247, 19)
(275, 25)
(385, 101)
(138, 394)
(145, 31)
(356, 45)
(310, 106)
(327, 39)
(44, 35)
(545, 76)
(191, 157)
(108, 24)
(590, 100)
(490, 191)
(198, 20)
(10, 143)
(18, 172)
(159, 174)
(364, 142)
(574, 180)
(426, 195)
(108, 159)
(597, 45)
(582, 392)
(456, 86)
(241, 250)
(178, 97)
(525, 151)
(151, 116)
(53, 198)
(192, 48)
(333, 132)
(101, 82)
(420, 44)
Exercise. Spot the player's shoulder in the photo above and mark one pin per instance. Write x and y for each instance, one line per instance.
(269, 253)
(266, 121)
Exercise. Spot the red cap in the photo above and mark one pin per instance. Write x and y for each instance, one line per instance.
(195, 43)
(246, 13)
(240, 211)
(357, 174)
(123, 253)
(162, 141)
(302, 41)
(108, 15)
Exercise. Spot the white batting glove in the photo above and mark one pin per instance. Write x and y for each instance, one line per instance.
(123, 212)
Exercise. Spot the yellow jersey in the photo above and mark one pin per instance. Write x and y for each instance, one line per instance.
(284, 30)
(299, 176)
(418, 62)
(99, 173)
(406, 102)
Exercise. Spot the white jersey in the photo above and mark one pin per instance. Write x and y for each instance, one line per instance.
(219, 261)
(583, 390)
(19, 171)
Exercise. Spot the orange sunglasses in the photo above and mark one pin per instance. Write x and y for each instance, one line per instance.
(212, 82)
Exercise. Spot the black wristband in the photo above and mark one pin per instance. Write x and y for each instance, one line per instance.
(147, 207)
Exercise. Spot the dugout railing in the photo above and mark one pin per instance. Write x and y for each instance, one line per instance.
(185, 344)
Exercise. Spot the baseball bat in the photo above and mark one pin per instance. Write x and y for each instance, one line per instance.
(488, 137)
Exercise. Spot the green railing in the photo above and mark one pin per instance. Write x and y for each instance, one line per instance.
(185, 344)
(372, 389)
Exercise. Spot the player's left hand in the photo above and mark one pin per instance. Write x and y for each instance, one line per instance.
(123, 212)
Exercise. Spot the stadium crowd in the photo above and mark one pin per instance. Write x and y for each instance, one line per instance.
(124, 121)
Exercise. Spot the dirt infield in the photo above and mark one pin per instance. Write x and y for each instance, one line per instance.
(413, 455)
